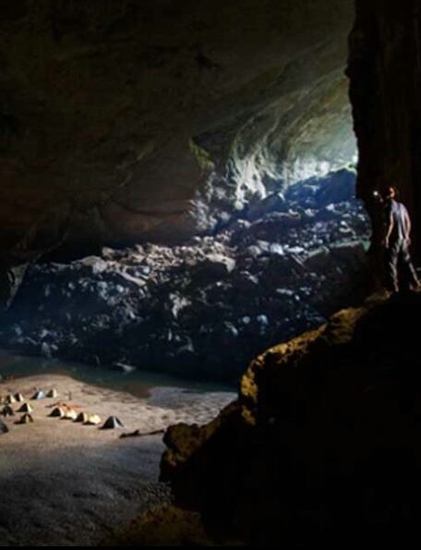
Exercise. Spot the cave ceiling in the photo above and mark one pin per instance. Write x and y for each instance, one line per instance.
(129, 120)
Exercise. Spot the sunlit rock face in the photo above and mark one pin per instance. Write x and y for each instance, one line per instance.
(128, 121)
(306, 134)
(384, 69)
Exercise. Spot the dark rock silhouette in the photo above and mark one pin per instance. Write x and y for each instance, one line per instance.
(323, 439)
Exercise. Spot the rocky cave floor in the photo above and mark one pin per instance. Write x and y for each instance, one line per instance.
(206, 308)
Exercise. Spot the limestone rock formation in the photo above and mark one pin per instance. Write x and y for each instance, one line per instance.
(385, 83)
(126, 121)
(323, 439)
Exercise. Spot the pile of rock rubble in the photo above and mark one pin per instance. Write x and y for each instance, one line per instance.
(206, 308)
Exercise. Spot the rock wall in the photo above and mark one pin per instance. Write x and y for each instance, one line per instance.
(323, 439)
(114, 115)
(385, 72)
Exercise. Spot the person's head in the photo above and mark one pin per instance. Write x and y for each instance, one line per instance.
(391, 193)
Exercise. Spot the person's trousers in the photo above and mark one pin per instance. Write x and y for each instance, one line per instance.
(400, 271)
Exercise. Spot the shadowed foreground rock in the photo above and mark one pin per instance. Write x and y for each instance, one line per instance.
(323, 441)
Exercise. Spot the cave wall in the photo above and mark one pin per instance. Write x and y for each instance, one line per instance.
(323, 439)
(385, 72)
(128, 120)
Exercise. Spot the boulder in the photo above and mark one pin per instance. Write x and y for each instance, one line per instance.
(321, 437)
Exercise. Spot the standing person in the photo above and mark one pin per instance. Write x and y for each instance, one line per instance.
(400, 271)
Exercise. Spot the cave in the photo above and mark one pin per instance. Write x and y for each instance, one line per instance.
(198, 196)
(187, 200)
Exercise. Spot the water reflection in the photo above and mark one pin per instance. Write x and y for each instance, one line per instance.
(135, 382)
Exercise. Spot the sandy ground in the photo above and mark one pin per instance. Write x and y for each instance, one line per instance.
(66, 484)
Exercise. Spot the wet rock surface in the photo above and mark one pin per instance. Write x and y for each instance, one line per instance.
(205, 308)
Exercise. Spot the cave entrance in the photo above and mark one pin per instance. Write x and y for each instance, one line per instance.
(293, 157)
(306, 138)
(282, 194)
(230, 227)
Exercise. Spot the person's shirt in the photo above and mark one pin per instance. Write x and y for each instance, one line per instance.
(398, 212)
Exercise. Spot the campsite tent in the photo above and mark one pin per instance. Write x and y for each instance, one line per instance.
(19, 398)
(112, 423)
(70, 414)
(38, 395)
(52, 393)
(93, 420)
(25, 419)
(82, 417)
(3, 428)
(26, 408)
(7, 411)
(58, 412)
